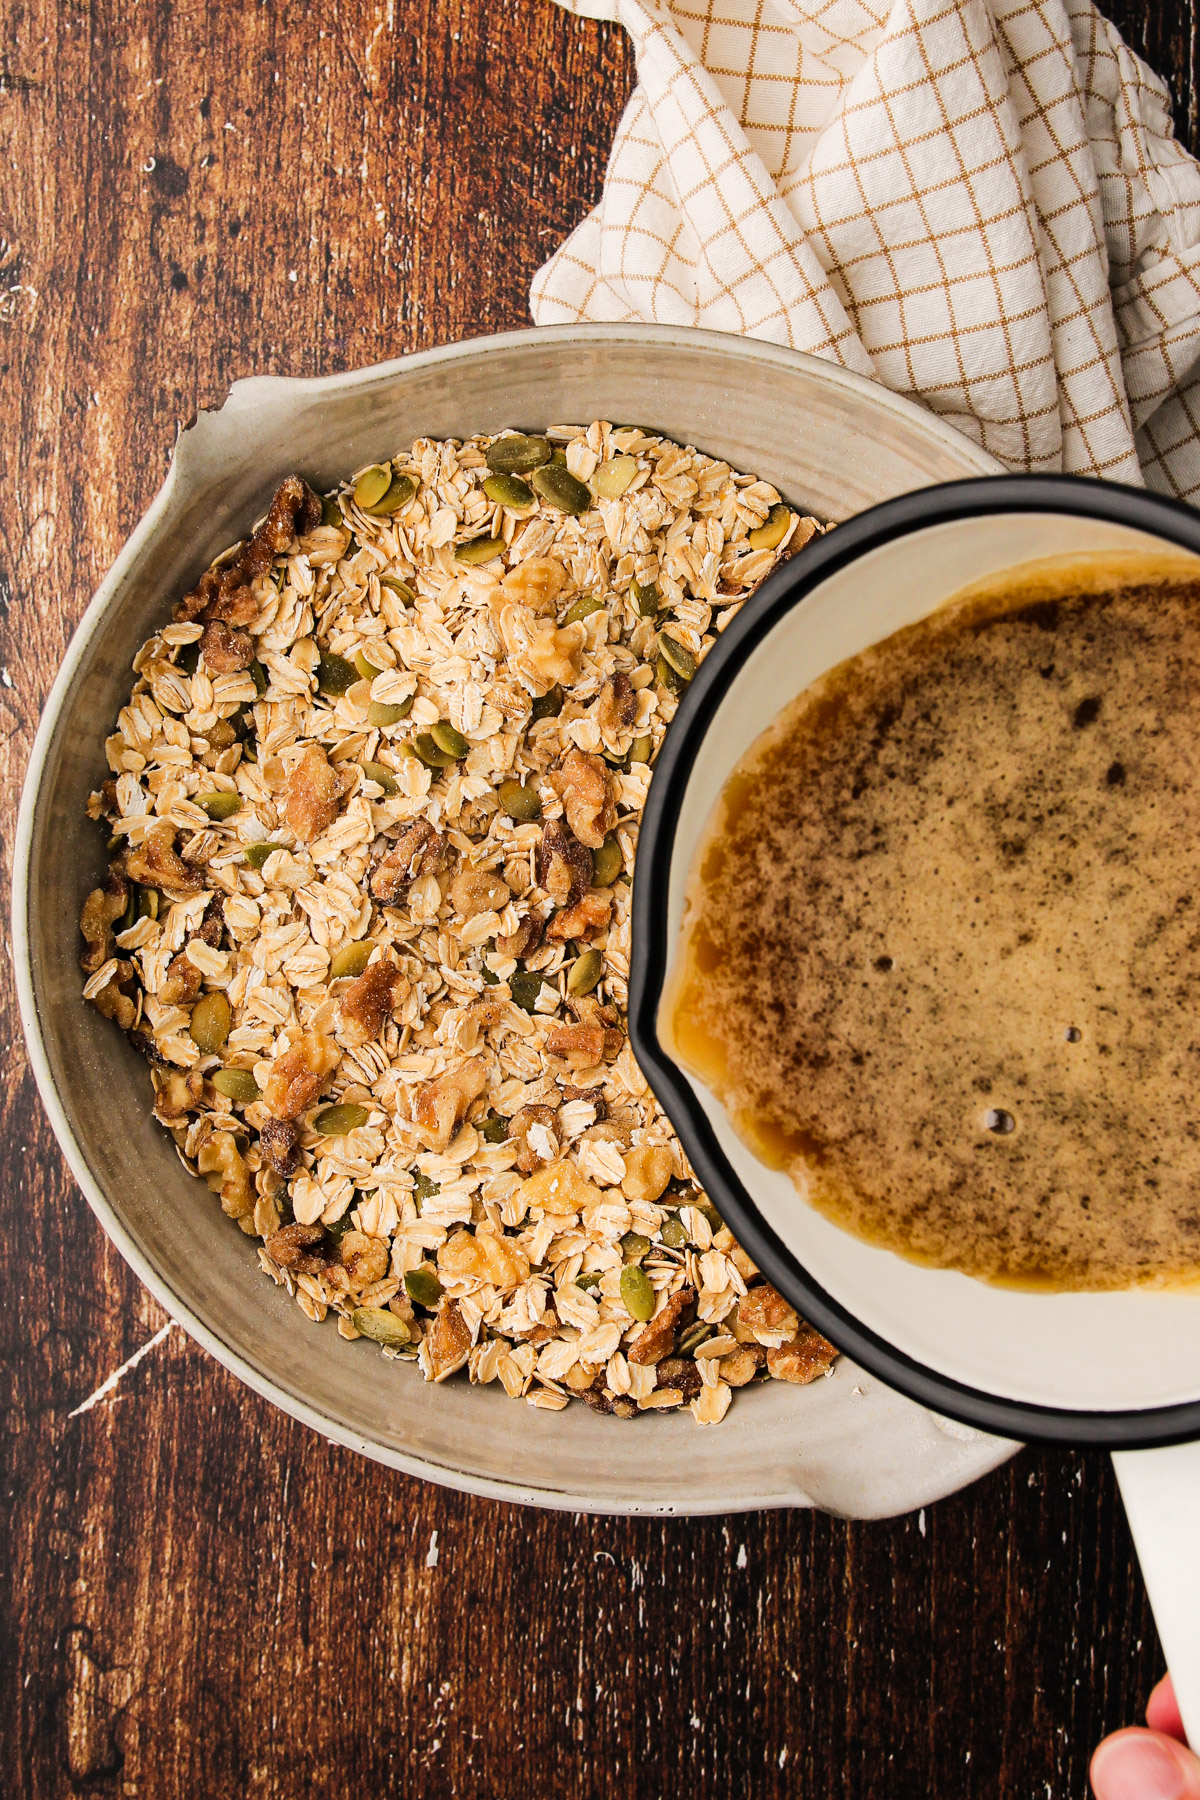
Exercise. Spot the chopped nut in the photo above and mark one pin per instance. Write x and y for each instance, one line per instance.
(583, 786)
(225, 650)
(367, 1003)
(544, 1146)
(478, 891)
(178, 1092)
(648, 1169)
(742, 1365)
(766, 1316)
(154, 863)
(536, 583)
(442, 1105)
(616, 706)
(313, 795)
(294, 510)
(365, 1259)
(102, 908)
(678, 1372)
(292, 1248)
(182, 983)
(802, 1358)
(298, 1076)
(588, 915)
(559, 1189)
(581, 1045)
(220, 1160)
(594, 1097)
(114, 1000)
(279, 1142)
(657, 1339)
(447, 1344)
(524, 940)
(564, 865)
(420, 850)
(554, 653)
(483, 1256)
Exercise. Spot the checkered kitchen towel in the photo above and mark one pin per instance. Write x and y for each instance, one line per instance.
(977, 202)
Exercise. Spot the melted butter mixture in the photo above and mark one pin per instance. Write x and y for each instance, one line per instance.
(941, 953)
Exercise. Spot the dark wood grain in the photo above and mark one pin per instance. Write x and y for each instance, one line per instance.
(201, 1597)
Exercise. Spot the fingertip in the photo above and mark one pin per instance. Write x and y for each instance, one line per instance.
(1162, 1711)
(1136, 1764)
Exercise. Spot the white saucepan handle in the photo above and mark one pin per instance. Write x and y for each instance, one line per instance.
(1161, 1491)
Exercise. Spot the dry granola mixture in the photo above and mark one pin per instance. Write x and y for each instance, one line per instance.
(373, 809)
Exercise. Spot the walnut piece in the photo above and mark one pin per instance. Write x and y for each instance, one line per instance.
(657, 1339)
(564, 866)
(279, 1142)
(584, 787)
(292, 1248)
(155, 864)
(594, 1097)
(102, 908)
(313, 794)
(294, 510)
(447, 1343)
(182, 982)
(225, 651)
(802, 1358)
(553, 652)
(588, 915)
(442, 1105)
(365, 1259)
(114, 1001)
(419, 850)
(525, 939)
(483, 1255)
(742, 1364)
(367, 1003)
(648, 1169)
(543, 1147)
(476, 891)
(178, 1092)
(221, 1162)
(298, 1076)
(765, 1317)
(536, 583)
(582, 1045)
(616, 706)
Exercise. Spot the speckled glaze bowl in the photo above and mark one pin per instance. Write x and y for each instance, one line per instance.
(828, 440)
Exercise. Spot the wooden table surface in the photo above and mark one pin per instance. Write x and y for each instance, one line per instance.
(200, 1597)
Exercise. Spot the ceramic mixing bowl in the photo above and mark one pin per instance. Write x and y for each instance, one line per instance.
(833, 443)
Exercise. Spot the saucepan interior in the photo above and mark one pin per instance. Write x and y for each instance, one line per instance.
(1107, 1366)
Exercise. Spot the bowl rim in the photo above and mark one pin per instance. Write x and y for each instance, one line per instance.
(787, 588)
(246, 393)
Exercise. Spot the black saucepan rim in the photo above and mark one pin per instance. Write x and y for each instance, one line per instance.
(785, 589)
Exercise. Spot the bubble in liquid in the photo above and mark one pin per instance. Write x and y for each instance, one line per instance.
(1073, 1034)
(999, 1121)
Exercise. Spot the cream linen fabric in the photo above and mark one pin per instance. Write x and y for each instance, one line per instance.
(980, 204)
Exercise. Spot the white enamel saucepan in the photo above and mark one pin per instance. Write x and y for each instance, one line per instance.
(1119, 1370)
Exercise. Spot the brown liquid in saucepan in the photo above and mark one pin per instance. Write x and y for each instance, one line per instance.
(942, 944)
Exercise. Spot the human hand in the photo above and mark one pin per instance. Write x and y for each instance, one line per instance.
(1154, 1764)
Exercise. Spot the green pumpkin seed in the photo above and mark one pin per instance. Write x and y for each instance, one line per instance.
(525, 987)
(612, 478)
(667, 678)
(422, 1285)
(260, 678)
(673, 653)
(489, 977)
(479, 550)
(583, 608)
(367, 670)
(588, 1281)
(555, 484)
(381, 1326)
(129, 916)
(379, 714)
(335, 674)
(236, 1084)
(336, 1121)
(771, 534)
(674, 1233)
(221, 805)
(382, 776)
(424, 1189)
(446, 738)
(147, 905)
(493, 1130)
(211, 1019)
(351, 959)
(400, 491)
(637, 1292)
(641, 749)
(340, 1227)
(400, 588)
(548, 706)
(517, 454)
(372, 485)
(585, 972)
(509, 491)
(518, 800)
(715, 1221)
(257, 854)
(431, 753)
(607, 862)
(634, 1246)
(693, 1337)
(646, 599)
(331, 512)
